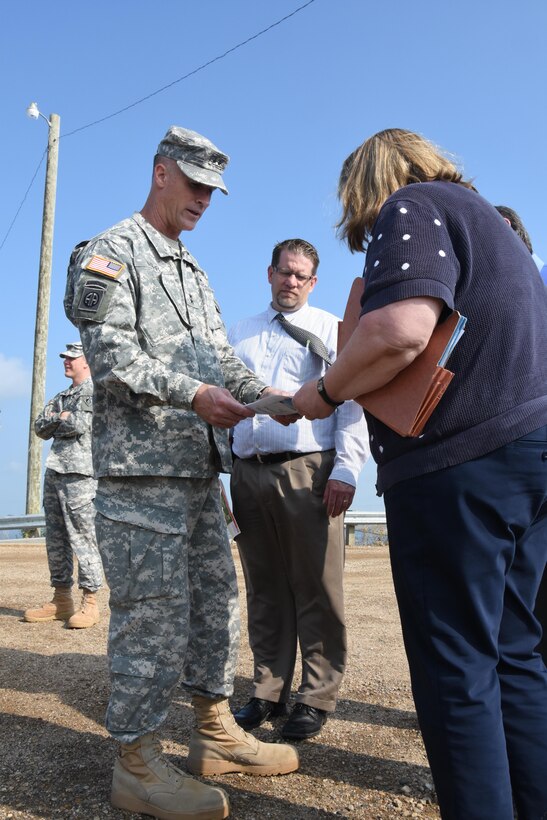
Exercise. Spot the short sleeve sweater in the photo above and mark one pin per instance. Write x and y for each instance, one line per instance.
(442, 240)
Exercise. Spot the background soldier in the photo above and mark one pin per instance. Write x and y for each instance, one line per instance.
(69, 489)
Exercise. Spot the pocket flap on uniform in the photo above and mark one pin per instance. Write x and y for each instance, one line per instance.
(147, 516)
(133, 667)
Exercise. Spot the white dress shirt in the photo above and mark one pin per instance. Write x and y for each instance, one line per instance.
(281, 361)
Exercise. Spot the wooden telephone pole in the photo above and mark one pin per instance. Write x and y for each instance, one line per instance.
(34, 465)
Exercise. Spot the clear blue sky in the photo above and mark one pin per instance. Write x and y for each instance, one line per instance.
(288, 107)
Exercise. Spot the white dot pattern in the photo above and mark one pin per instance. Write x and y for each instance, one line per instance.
(405, 265)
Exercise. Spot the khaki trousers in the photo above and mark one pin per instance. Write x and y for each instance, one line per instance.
(293, 560)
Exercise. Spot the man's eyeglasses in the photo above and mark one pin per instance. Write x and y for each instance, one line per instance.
(301, 278)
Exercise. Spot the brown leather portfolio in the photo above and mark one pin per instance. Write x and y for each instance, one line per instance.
(406, 402)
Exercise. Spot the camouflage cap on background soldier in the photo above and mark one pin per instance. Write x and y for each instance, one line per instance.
(73, 351)
(195, 155)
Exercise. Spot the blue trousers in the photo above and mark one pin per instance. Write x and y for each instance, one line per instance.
(468, 548)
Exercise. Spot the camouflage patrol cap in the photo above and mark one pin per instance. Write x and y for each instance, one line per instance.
(195, 155)
(73, 351)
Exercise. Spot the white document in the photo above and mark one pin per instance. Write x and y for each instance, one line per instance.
(273, 405)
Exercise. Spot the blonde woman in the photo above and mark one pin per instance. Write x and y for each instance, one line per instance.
(466, 501)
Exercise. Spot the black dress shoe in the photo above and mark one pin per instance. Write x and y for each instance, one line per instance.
(254, 713)
(305, 721)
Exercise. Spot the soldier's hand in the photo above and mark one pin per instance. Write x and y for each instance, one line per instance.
(217, 406)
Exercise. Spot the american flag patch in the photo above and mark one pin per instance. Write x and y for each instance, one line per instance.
(107, 266)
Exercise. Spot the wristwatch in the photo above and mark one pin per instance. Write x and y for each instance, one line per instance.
(325, 396)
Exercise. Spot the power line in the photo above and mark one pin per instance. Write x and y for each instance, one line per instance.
(190, 73)
(153, 94)
(24, 198)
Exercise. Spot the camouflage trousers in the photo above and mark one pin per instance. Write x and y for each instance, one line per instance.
(70, 528)
(173, 596)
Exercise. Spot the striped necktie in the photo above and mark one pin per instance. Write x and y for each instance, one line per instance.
(305, 337)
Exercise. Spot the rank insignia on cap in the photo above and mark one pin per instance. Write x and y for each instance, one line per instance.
(107, 266)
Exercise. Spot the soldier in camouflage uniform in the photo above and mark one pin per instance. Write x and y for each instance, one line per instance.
(168, 386)
(69, 489)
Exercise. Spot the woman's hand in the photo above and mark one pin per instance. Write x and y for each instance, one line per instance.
(309, 403)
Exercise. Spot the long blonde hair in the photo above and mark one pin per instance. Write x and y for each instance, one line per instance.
(385, 162)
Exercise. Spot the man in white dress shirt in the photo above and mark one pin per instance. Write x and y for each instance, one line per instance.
(290, 487)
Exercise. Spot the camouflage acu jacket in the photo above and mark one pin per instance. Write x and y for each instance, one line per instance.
(71, 448)
(152, 334)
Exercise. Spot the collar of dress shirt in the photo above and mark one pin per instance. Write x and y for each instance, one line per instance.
(301, 312)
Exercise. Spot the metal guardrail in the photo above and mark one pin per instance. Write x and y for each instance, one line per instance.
(352, 519)
(22, 522)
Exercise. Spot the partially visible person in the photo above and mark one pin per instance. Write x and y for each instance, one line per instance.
(466, 501)
(69, 490)
(291, 487)
(168, 386)
(513, 219)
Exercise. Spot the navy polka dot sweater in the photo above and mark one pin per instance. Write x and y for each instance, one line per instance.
(443, 240)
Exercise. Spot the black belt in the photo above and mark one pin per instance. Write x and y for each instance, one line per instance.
(276, 458)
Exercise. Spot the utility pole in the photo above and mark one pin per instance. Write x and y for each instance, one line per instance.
(34, 464)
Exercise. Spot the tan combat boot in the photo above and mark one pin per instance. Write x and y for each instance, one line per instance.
(88, 614)
(145, 782)
(60, 608)
(218, 745)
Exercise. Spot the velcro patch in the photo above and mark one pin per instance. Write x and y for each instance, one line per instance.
(108, 267)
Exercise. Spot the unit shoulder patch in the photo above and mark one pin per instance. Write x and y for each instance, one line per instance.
(92, 299)
(108, 267)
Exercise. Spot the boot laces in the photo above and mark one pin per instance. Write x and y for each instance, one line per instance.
(172, 771)
(86, 602)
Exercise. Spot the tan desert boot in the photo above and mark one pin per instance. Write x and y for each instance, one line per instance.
(60, 608)
(88, 614)
(145, 782)
(218, 745)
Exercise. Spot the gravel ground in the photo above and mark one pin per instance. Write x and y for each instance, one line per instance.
(56, 757)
